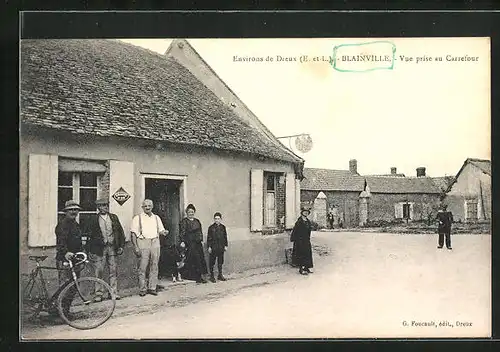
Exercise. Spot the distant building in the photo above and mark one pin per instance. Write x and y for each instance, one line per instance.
(356, 200)
(469, 196)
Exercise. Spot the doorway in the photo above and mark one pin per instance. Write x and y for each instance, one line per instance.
(167, 198)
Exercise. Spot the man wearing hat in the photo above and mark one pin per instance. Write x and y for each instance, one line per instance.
(445, 219)
(301, 238)
(68, 242)
(106, 241)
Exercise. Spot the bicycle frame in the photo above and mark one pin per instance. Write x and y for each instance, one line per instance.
(45, 300)
(36, 276)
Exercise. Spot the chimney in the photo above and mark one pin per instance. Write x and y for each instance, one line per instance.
(420, 171)
(353, 166)
(394, 171)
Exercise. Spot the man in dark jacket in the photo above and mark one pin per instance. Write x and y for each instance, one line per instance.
(217, 245)
(68, 242)
(106, 241)
(445, 219)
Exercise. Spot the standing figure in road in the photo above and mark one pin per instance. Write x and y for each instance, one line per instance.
(330, 218)
(68, 242)
(445, 219)
(106, 241)
(191, 238)
(146, 229)
(217, 245)
(301, 238)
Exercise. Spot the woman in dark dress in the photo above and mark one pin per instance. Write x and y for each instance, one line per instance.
(191, 238)
(301, 238)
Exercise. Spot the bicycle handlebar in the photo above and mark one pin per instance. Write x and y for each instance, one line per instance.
(80, 256)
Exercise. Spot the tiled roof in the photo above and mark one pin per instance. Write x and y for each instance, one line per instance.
(109, 88)
(331, 180)
(424, 185)
(344, 180)
(484, 165)
(442, 182)
(389, 175)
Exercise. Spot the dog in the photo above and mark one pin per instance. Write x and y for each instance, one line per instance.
(180, 262)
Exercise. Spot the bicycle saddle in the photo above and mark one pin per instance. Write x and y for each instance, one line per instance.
(38, 258)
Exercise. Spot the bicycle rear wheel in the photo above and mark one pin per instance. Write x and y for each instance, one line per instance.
(31, 302)
(79, 308)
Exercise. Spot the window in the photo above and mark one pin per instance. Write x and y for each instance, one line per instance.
(83, 187)
(406, 211)
(471, 206)
(270, 200)
(273, 196)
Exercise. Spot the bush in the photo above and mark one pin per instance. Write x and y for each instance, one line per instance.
(383, 223)
(378, 223)
(315, 226)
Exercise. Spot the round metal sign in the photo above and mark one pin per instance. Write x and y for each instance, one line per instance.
(303, 143)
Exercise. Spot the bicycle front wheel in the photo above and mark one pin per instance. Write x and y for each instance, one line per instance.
(78, 304)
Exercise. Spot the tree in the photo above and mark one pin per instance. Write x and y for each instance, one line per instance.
(429, 210)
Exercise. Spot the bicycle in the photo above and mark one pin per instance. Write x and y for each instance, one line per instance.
(74, 300)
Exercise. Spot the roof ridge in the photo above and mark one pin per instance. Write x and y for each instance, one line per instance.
(477, 159)
(264, 130)
(120, 42)
(322, 168)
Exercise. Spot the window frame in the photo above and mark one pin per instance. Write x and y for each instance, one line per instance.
(475, 203)
(411, 209)
(266, 217)
(407, 207)
(76, 187)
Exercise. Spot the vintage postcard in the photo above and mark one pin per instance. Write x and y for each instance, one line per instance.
(255, 188)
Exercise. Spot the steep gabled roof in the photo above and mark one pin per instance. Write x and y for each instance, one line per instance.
(483, 164)
(182, 51)
(443, 182)
(331, 180)
(109, 88)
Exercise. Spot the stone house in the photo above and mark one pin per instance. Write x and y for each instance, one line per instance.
(357, 200)
(335, 190)
(101, 118)
(469, 196)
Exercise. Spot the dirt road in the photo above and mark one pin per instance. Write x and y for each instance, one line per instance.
(364, 285)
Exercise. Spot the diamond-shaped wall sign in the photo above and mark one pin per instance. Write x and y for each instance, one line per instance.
(121, 196)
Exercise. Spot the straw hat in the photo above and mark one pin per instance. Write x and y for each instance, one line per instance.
(71, 204)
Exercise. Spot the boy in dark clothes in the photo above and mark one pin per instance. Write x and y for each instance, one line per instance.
(217, 245)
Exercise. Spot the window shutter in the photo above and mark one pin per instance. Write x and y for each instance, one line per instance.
(297, 199)
(256, 199)
(411, 211)
(42, 200)
(290, 201)
(121, 175)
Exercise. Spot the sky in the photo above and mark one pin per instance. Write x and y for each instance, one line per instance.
(431, 114)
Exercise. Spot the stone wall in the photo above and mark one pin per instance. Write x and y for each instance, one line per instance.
(381, 206)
